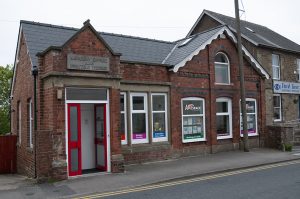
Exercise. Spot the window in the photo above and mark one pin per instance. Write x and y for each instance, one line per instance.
(251, 112)
(277, 107)
(224, 118)
(19, 121)
(123, 118)
(139, 118)
(222, 71)
(159, 117)
(29, 122)
(298, 68)
(276, 66)
(193, 119)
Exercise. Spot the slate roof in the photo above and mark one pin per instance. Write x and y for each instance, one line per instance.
(40, 36)
(261, 35)
(179, 52)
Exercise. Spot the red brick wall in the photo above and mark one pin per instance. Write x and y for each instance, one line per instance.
(23, 90)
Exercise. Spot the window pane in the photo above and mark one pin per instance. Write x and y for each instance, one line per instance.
(74, 160)
(222, 107)
(221, 58)
(138, 102)
(158, 102)
(73, 123)
(276, 101)
(193, 127)
(251, 122)
(221, 73)
(275, 60)
(159, 126)
(192, 107)
(86, 94)
(223, 125)
(122, 102)
(277, 113)
(139, 126)
(250, 106)
(275, 72)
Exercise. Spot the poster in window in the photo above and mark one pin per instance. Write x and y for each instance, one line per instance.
(159, 130)
(193, 129)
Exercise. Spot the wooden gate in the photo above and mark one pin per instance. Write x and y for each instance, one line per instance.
(8, 154)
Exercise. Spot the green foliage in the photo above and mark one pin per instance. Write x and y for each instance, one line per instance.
(6, 74)
(288, 147)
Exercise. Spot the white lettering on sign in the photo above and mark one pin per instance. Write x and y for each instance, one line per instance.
(192, 107)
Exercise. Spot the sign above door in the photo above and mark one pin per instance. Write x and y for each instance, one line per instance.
(90, 63)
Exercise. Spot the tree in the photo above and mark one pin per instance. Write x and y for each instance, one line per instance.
(6, 74)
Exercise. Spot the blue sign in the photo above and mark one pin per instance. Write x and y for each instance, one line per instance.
(159, 134)
(286, 87)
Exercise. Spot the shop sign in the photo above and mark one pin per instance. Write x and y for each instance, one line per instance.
(286, 87)
(90, 63)
(138, 136)
(159, 134)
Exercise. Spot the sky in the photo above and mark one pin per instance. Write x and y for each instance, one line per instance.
(167, 20)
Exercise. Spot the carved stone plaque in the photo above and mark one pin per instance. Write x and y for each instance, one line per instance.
(91, 63)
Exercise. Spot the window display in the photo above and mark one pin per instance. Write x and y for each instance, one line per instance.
(224, 121)
(193, 125)
(123, 129)
(251, 111)
(159, 119)
(139, 118)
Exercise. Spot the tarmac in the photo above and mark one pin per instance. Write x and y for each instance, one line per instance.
(15, 186)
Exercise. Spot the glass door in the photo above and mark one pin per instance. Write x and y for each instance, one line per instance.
(74, 139)
(100, 137)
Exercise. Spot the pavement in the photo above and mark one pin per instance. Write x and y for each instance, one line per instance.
(14, 186)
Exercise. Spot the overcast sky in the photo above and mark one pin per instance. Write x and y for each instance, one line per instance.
(159, 19)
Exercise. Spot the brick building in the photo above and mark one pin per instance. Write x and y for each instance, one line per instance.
(105, 100)
(279, 56)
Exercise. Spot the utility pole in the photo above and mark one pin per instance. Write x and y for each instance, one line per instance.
(242, 81)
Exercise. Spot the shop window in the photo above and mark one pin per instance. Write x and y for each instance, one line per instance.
(222, 69)
(30, 122)
(19, 122)
(123, 118)
(276, 66)
(224, 118)
(193, 119)
(139, 118)
(251, 111)
(159, 117)
(277, 108)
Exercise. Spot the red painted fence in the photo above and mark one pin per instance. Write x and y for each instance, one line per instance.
(8, 154)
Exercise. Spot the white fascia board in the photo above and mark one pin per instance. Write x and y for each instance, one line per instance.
(215, 36)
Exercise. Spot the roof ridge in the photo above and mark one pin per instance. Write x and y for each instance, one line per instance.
(48, 25)
(234, 18)
(137, 37)
(107, 33)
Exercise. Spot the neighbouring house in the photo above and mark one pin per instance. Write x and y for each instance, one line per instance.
(280, 57)
(104, 100)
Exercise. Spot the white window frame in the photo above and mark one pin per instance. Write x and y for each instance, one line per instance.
(139, 141)
(20, 121)
(280, 108)
(160, 139)
(124, 142)
(228, 113)
(275, 67)
(201, 115)
(298, 69)
(30, 124)
(255, 113)
(223, 64)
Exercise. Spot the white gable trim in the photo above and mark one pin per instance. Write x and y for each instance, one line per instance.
(209, 41)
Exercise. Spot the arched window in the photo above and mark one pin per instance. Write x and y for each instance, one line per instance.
(222, 69)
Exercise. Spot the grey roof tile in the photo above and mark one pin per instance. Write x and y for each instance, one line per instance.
(40, 36)
(179, 53)
(261, 35)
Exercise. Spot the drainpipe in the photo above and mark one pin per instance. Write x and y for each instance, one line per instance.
(34, 72)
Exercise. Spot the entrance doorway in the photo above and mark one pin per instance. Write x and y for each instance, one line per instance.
(87, 138)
